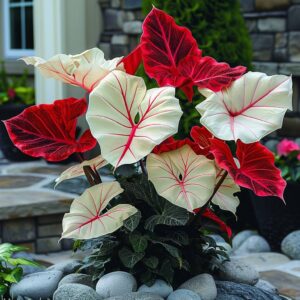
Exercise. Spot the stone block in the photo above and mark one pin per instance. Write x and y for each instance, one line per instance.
(119, 39)
(271, 24)
(289, 68)
(119, 50)
(281, 40)
(46, 245)
(294, 18)
(262, 46)
(132, 4)
(268, 68)
(113, 19)
(281, 55)
(104, 3)
(19, 230)
(247, 5)
(271, 4)
(129, 16)
(106, 48)
(50, 219)
(251, 25)
(29, 246)
(294, 46)
(67, 244)
(115, 3)
(50, 230)
(138, 15)
(133, 27)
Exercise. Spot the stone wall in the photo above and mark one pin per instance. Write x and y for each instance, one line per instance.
(38, 234)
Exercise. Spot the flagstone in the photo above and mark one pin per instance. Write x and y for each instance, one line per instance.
(15, 181)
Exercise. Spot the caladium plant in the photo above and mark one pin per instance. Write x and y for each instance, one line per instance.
(153, 222)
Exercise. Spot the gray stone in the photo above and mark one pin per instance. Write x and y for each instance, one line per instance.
(37, 285)
(293, 18)
(113, 19)
(78, 278)
(241, 237)
(183, 294)
(67, 244)
(269, 68)
(227, 247)
(28, 269)
(294, 46)
(238, 291)
(119, 50)
(281, 54)
(105, 47)
(217, 238)
(203, 285)
(129, 16)
(271, 24)
(253, 244)
(50, 219)
(247, 5)
(262, 46)
(266, 286)
(239, 272)
(116, 284)
(281, 40)
(115, 3)
(133, 27)
(132, 4)
(49, 230)
(49, 244)
(67, 267)
(119, 39)
(75, 291)
(271, 4)
(291, 245)
(251, 25)
(136, 296)
(289, 68)
(20, 230)
(159, 287)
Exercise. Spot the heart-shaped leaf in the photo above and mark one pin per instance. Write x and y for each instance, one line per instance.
(252, 107)
(86, 69)
(182, 177)
(48, 130)
(256, 171)
(127, 120)
(86, 219)
(133, 60)
(77, 170)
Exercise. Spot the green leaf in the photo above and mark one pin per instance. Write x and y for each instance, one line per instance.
(22, 261)
(138, 242)
(166, 271)
(129, 258)
(171, 215)
(3, 289)
(132, 222)
(151, 262)
(147, 278)
(14, 276)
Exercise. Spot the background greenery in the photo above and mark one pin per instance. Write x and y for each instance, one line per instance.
(221, 32)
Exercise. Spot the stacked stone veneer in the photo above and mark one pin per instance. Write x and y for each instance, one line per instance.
(38, 234)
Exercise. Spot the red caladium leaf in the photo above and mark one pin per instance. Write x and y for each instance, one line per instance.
(48, 130)
(208, 213)
(133, 60)
(256, 171)
(170, 144)
(201, 137)
(171, 56)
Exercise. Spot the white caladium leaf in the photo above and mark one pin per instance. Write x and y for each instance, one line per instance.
(127, 120)
(252, 107)
(77, 170)
(85, 70)
(224, 197)
(86, 219)
(182, 177)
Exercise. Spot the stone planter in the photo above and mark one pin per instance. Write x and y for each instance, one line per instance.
(10, 152)
(276, 220)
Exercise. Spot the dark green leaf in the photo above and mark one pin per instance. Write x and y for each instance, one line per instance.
(166, 271)
(14, 276)
(129, 258)
(22, 261)
(3, 289)
(138, 242)
(171, 215)
(147, 278)
(151, 262)
(132, 222)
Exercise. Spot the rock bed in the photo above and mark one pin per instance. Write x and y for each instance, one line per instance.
(237, 279)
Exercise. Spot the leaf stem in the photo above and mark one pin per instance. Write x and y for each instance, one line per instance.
(143, 167)
(92, 176)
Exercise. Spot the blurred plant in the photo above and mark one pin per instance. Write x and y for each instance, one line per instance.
(10, 267)
(15, 89)
(288, 159)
